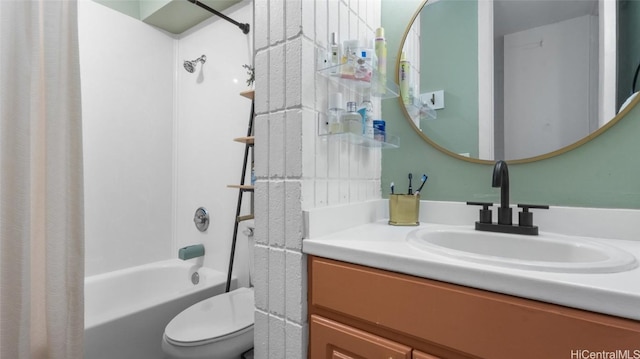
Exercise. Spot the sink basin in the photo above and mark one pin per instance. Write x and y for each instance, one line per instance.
(545, 252)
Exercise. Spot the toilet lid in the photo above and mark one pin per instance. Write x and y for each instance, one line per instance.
(212, 318)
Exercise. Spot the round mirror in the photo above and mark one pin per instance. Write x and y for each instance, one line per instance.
(518, 80)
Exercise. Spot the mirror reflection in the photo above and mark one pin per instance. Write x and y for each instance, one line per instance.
(517, 79)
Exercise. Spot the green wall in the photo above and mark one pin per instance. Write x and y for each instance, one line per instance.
(450, 63)
(602, 173)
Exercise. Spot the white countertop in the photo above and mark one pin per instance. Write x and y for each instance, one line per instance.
(382, 246)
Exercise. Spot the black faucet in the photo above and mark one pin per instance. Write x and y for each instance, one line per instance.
(504, 225)
(501, 179)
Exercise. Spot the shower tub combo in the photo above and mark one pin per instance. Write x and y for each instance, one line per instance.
(127, 310)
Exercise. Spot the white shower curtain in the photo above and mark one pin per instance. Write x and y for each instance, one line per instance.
(41, 185)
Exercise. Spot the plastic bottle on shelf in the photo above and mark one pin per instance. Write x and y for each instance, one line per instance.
(335, 112)
(381, 54)
(349, 58)
(404, 79)
(336, 53)
(366, 112)
(363, 66)
(351, 120)
(379, 130)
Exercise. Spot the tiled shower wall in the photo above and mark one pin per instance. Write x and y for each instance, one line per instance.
(295, 168)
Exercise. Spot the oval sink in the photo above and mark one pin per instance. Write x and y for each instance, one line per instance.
(545, 252)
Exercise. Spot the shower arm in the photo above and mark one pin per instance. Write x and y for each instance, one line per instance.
(243, 27)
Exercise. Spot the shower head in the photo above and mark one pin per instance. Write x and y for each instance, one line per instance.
(190, 66)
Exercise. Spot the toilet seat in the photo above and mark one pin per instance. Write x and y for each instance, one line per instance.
(214, 319)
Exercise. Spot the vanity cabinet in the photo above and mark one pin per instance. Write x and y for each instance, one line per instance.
(335, 340)
(420, 355)
(363, 312)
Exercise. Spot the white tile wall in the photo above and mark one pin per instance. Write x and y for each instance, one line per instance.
(277, 290)
(261, 333)
(293, 90)
(277, 77)
(293, 21)
(276, 213)
(304, 170)
(295, 301)
(293, 140)
(293, 214)
(261, 280)
(296, 339)
(276, 337)
(276, 21)
(276, 144)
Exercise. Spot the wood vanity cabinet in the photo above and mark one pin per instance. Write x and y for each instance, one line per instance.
(420, 355)
(361, 312)
(339, 341)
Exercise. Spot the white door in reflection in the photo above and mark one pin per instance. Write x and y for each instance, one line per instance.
(550, 74)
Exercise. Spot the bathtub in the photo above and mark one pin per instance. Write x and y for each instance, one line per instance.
(127, 310)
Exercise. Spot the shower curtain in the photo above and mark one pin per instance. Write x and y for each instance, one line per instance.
(41, 185)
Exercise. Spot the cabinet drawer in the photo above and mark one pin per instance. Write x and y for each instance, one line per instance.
(334, 340)
(465, 320)
(420, 355)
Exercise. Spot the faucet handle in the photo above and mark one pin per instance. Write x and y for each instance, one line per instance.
(525, 217)
(485, 212)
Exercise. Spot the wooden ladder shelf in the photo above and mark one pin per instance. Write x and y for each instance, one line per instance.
(242, 188)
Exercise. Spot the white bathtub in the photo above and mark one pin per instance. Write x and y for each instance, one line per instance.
(127, 310)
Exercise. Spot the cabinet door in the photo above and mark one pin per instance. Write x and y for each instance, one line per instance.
(420, 355)
(333, 340)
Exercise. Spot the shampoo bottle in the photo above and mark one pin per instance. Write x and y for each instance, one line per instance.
(381, 54)
(404, 79)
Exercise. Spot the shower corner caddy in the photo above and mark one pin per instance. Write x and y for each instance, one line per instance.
(242, 188)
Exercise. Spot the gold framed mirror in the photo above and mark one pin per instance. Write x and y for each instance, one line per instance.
(520, 80)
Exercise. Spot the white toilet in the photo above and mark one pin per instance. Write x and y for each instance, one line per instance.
(220, 327)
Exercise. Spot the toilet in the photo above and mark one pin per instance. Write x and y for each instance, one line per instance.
(220, 327)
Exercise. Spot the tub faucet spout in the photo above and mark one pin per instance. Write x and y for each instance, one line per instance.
(188, 252)
(501, 179)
